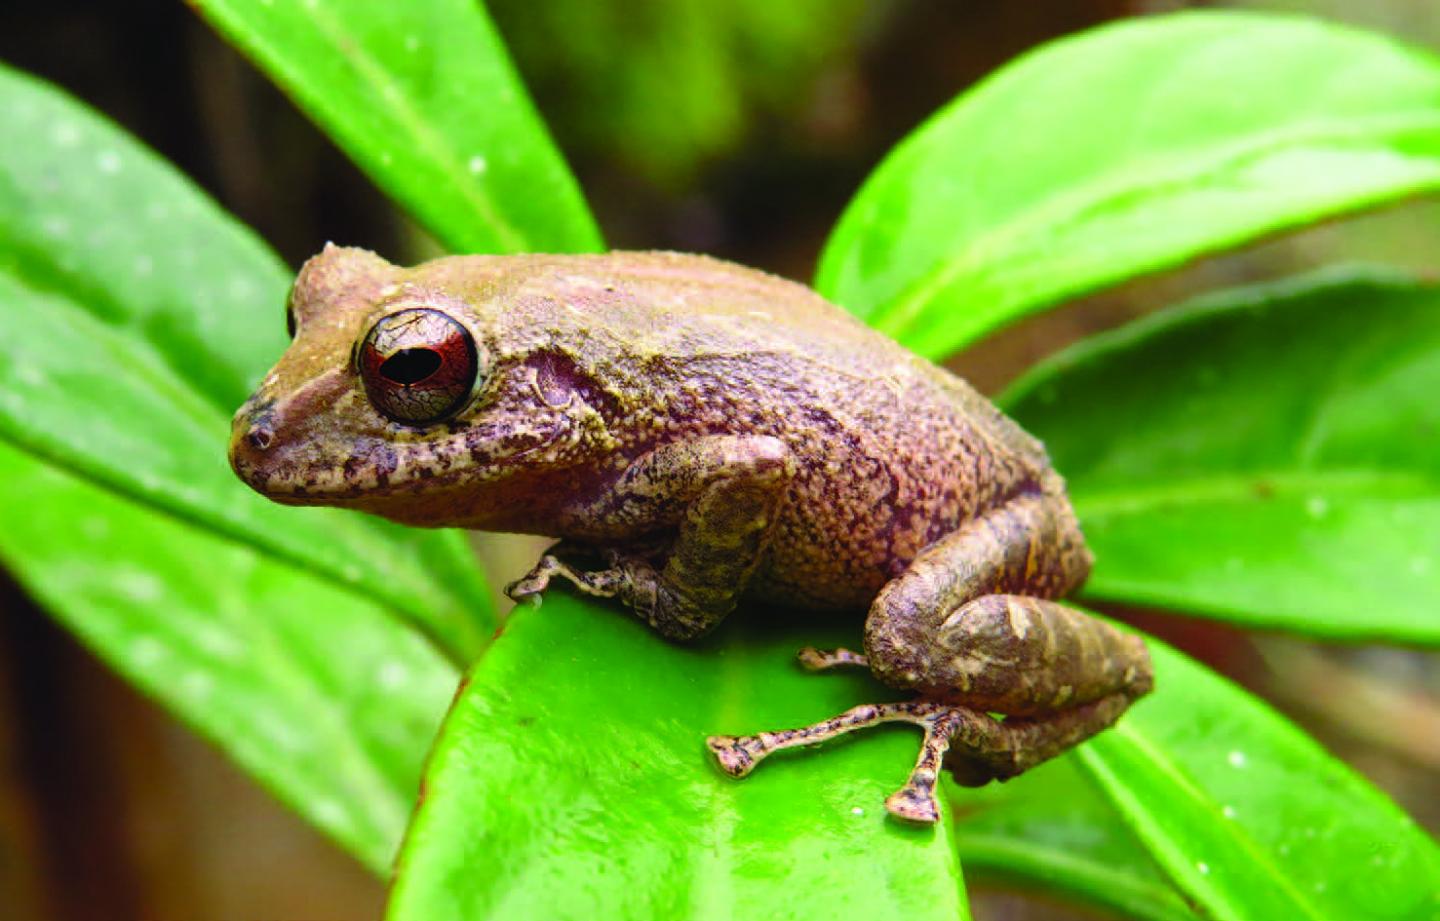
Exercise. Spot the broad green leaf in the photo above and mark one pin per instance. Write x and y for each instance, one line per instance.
(571, 781)
(1051, 829)
(137, 317)
(320, 694)
(1250, 817)
(423, 97)
(1124, 150)
(1279, 465)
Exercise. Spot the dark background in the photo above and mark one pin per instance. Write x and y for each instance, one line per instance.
(110, 809)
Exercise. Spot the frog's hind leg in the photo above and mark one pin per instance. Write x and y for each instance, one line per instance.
(971, 622)
(969, 626)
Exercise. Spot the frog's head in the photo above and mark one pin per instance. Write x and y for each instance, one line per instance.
(391, 398)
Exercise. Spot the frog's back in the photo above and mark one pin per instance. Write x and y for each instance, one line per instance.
(650, 308)
(892, 452)
(661, 302)
(663, 308)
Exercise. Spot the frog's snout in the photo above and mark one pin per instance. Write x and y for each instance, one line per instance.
(259, 455)
(279, 438)
(252, 434)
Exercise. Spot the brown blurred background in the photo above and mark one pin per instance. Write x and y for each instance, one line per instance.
(728, 128)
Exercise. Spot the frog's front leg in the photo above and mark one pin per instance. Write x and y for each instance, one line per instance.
(725, 494)
(962, 629)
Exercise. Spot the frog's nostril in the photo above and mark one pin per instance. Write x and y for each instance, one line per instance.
(260, 436)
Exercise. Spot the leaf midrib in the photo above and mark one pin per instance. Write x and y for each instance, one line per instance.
(1008, 852)
(1182, 784)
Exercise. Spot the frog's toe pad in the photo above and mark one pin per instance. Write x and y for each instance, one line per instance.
(913, 804)
(734, 754)
(535, 581)
(523, 590)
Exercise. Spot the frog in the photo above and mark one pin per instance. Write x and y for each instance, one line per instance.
(698, 436)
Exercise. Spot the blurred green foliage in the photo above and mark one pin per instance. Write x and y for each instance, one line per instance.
(665, 86)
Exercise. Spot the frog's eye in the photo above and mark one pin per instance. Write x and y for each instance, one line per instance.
(418, 366)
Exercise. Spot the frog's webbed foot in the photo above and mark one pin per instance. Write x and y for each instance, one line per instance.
(915, 802)
(627, 574)
(820, 660)
(974, 746)
(615, 579)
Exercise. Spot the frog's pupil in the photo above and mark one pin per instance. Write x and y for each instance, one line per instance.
(411, 366)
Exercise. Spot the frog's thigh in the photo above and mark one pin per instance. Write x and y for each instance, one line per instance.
(955, 627)
(728, 490)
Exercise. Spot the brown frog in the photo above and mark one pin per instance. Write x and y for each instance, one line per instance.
(699, 435)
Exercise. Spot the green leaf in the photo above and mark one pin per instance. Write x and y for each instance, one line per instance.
(423, 97)
(1249, 816)
(1124, 150)
(1280, 465)
(321, 695)
(1051, 829)
(137, 317)
(570, 781)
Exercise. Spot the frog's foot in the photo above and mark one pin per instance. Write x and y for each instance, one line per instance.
(819, 660)
(631, 575)
(915, 801)
(602, 583)
(974, 746)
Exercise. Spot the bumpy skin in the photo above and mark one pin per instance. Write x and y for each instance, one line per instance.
(715, 435)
